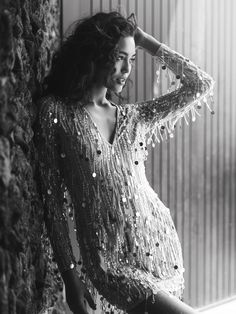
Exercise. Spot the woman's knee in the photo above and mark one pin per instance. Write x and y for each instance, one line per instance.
(168, 304)
(162, 303)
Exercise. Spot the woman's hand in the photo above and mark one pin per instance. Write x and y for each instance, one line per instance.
(145, 41)
(139, 37)
(76, 293)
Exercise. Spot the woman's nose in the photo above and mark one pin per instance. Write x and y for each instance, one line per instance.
(126, 67)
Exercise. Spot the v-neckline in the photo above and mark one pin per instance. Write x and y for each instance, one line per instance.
(114, 133)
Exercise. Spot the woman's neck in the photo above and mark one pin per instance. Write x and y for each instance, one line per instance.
(98, 95)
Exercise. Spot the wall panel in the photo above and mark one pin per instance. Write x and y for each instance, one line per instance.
(195, 172)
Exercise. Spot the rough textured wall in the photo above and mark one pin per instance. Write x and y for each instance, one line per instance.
(29, 32)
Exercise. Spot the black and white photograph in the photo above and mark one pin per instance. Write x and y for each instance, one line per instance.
(117, 157)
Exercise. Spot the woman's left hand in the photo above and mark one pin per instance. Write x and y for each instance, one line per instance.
(145, 41)
(139, 37)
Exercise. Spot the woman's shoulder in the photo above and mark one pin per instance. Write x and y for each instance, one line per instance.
(49, 104)
(56, 112)
(53, 107)
(127, 109)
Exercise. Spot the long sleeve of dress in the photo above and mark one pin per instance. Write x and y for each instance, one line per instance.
(53, 187)
(192, 86)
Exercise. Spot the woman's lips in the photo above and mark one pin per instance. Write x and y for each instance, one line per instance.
(121, 81)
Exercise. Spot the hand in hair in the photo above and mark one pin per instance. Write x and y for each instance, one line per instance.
(76, 293)
(139, 37)
(145, 41)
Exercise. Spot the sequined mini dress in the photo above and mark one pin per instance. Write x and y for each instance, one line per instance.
(128, 242)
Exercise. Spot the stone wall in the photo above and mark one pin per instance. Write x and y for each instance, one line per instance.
(29, 32)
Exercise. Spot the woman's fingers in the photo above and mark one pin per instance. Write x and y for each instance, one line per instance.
(77, 294)
(138, 37)
(76, 302)
(89, 299)
(79, 308)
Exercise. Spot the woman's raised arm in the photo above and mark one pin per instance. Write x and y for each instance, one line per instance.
(190, 87)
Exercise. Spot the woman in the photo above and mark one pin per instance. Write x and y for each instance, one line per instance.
(92, 156)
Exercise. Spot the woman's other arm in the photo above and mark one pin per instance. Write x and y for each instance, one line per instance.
(53, 189)
(52, 186)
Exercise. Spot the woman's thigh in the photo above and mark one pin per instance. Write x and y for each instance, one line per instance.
(163, 304)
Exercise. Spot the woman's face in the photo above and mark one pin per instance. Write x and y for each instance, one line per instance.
(116, 80)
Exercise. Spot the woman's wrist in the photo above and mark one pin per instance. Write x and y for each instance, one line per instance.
(69, 276)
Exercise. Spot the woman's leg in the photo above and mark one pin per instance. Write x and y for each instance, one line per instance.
(162, 303)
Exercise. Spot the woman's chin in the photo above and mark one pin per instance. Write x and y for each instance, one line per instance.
(118, 89)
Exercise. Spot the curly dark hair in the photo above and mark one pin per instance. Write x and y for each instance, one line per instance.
(91, 46)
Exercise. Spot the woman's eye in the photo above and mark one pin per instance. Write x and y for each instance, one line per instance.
(120, 58)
